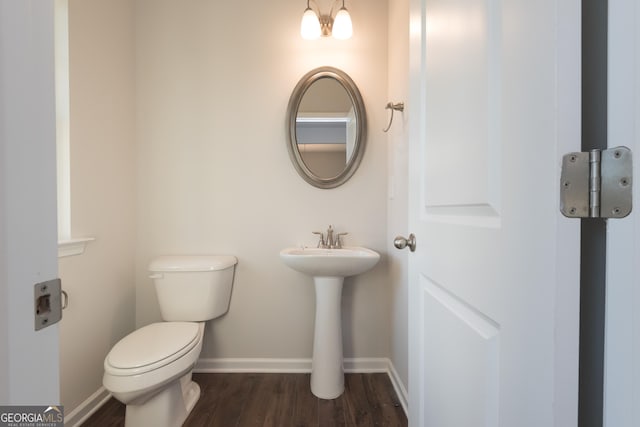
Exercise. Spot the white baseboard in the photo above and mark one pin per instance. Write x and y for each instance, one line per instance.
(253, 365)
(399, 387)
(83, 411)
(351, 365)
(366, 365)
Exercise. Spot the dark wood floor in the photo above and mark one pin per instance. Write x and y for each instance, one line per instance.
(280, 400)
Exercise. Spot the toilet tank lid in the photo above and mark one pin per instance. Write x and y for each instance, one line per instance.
(192, 263)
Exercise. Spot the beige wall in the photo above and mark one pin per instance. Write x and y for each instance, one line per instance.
(214, 175)
(100, 283)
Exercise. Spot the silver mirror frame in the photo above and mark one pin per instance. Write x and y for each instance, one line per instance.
(361, 134)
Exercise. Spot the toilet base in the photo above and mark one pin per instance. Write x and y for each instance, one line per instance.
(168, 408)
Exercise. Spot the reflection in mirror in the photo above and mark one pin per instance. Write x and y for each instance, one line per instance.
(326, 127)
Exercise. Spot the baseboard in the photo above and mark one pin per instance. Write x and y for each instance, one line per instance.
(351, 365)
(398, 385)
(253, 365)
(83, 411)
(366, 364)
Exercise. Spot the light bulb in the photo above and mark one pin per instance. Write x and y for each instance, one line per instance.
(342, 28)
(310, 25)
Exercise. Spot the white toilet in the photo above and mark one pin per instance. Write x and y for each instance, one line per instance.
(150, 369)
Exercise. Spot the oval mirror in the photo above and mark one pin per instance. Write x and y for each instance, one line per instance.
(326, 127)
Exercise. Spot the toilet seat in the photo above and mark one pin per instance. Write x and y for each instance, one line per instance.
(152, 347)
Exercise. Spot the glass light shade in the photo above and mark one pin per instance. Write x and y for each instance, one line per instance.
(342, 28)
(310, 26)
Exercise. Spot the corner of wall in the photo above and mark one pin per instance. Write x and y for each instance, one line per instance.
(397, 181)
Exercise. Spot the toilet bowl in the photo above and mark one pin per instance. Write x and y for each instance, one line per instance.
(150, 369)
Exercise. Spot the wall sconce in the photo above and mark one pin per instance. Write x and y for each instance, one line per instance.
(315, 24)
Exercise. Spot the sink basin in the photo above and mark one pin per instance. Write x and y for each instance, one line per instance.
(328, 267)
(316, 262)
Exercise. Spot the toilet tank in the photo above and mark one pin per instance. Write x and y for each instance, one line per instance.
(193, 288)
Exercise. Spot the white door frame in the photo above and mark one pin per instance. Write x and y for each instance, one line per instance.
(29, 368)
(622, 323)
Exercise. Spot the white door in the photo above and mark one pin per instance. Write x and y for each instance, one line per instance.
(28, 231)
(622, 330)
(494, 282)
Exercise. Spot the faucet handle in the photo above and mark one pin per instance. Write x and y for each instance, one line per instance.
(338, 242)
(321, 243)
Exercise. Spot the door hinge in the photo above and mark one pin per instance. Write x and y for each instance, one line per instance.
(597, 184)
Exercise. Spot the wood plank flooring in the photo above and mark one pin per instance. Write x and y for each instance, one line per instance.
(280, 400)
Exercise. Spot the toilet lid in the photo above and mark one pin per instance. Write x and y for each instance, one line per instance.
(154, 343)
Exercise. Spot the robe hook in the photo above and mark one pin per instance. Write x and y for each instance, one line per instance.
(398, 106)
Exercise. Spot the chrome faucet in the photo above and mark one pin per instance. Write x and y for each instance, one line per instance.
(332, 241)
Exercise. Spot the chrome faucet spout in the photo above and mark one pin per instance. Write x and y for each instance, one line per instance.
(330, 241)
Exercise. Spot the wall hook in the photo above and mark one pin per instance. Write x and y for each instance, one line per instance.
(398, 106)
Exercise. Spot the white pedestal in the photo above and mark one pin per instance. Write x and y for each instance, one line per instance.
(327, 373)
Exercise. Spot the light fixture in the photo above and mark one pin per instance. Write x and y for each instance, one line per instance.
(315, 24)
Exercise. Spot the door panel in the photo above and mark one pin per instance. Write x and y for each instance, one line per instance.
(494, 281)
(462, 361)
(462, 146)
(29, 373)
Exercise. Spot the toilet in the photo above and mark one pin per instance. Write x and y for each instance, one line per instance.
(150, 369)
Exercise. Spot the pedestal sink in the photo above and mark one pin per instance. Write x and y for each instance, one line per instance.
(328, 267)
